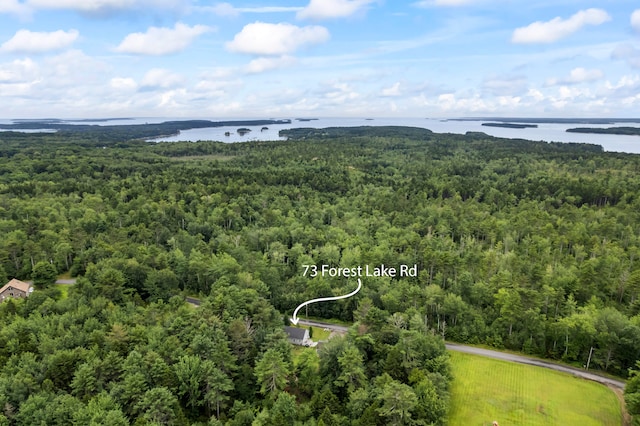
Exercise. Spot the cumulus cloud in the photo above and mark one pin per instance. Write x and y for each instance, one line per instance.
(18, 71)
(81, 5)
(25, 41)
(123, 84)
(635, 20)
(161, 41)
(14, 7)
(558, 28)
(214, 87)
(576, 76)
(260, 38)
(626, 87)
(97, 7)
(339, 93)
(159, 78)
(329, 9)
(259, 65)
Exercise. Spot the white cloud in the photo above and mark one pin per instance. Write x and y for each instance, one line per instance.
(161, 41)
(214, 87)
(394, 90)
(627, 53)
(106, 6)
(259, 65)
(557, 28)
(161, 78)
(576, 76)
(123, 83)
(328, 9)
(501, 85)
(635, 20)
(446, 3)
(25, 41)
(14, 7)
(223, 9)
(260, 38)
(626, 81)
(18, 71)
(536, 95)
(340, 93)
(449, 102)
(81, 5)
(627, 86)
(71, 67)
(227, 9)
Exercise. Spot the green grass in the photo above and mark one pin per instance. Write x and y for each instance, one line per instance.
(64, 290)
(297, 351)
(319, 334)
(485, 389)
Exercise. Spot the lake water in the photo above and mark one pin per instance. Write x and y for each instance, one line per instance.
(549, 132)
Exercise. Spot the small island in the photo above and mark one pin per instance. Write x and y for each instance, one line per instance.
(510, 125)
(243, 131)
(630, 131)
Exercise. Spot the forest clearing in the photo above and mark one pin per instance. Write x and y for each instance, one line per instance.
(484, 390)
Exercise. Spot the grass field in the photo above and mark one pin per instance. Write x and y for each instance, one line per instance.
(485, 389)
(297, 351)
(64, 290)
(320, 334)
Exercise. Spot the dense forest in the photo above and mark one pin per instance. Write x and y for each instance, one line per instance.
(528, 246)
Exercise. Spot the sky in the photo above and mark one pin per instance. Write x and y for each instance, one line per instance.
(319, 58)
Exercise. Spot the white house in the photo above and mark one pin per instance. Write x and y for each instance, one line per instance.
(298, 336)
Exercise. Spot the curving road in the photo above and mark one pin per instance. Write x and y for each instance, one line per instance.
(503, 356)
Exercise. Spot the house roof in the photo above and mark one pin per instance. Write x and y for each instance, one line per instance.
(296, 333)
(20, 285)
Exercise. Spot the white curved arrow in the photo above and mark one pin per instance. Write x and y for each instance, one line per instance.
(295, 318)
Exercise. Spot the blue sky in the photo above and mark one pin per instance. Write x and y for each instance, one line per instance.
(319, 58)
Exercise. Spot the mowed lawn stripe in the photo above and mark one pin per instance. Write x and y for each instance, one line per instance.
(485, 389)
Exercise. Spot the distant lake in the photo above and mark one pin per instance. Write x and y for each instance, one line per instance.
(549, 132)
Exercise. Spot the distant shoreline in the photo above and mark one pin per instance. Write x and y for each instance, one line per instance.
(592, 121)
(511, 125)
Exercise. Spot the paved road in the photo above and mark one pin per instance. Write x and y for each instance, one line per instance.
(193, 301)
(334, 327)
(503, 356)
(65, 281)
